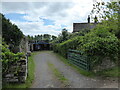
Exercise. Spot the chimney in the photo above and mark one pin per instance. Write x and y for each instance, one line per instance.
(95, 19)
(88, 18)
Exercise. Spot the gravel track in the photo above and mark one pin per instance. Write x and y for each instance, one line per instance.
(44, 77)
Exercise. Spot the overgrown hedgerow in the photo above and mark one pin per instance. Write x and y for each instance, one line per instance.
(102, 41)
(62, 48)
(9, 58)
(98, 44)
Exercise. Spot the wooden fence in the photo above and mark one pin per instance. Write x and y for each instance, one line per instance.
(79, 59)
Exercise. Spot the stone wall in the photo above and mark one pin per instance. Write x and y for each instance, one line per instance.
(106, 64)
(17, 72)
(24, 45)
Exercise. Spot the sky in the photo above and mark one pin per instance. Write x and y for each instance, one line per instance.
(47, 17)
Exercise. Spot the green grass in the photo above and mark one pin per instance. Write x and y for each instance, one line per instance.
(30, 78)
(113, 72)
(58, 74)
(81, 71)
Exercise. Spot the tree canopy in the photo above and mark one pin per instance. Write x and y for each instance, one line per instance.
(45, 37)
(10, 32)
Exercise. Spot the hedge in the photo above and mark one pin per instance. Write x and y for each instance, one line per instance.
(98, 44)
(62, 48)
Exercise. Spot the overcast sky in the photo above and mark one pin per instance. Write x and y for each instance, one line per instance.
(35, 18)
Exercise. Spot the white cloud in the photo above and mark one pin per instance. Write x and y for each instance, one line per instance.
(35, 28)
(62, 13)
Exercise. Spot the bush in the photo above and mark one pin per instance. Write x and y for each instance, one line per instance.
(9, 58)
(98, 44)
(62, 48)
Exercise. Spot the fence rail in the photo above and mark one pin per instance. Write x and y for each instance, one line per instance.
(79, 59)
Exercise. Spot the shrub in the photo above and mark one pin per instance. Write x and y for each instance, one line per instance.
(62, 48)
(9, 58)
(100, 44)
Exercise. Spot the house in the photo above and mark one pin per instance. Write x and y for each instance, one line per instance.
(79, 26)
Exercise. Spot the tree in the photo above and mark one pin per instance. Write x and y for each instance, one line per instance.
(47, 37)
(40, 37)
(109, 15)
(64, 34)
(54, 37)
(30, 39)
(105, 11)
(10, 32)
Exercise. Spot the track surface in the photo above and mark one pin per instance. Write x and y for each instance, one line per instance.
(44, 77)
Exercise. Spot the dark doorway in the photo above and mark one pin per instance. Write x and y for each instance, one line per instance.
(41, 46)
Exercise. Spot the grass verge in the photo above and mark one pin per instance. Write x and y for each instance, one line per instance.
(113, 72)
(30, 78)
(58, 74)
(81, 71)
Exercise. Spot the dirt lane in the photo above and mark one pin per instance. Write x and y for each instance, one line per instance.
(44, 77)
